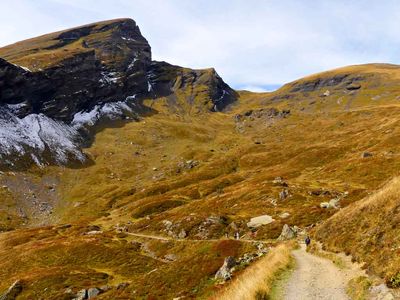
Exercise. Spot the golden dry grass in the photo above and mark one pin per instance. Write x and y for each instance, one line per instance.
(258, 278)
(357, 288)
(136, 177)
(368, 230)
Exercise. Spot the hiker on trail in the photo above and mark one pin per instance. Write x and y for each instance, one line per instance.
(307, 240)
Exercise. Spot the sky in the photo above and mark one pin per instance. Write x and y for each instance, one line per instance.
(253, 44)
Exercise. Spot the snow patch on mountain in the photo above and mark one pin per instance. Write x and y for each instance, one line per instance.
(43, 140)
(36, 135)
(110, 111)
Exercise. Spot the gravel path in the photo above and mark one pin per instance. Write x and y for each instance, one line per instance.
(315, 278)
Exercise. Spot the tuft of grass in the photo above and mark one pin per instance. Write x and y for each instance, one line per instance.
(257, 280)
(357, 288)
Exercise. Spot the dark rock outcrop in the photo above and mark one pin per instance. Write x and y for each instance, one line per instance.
(340, 81)
(114, 63)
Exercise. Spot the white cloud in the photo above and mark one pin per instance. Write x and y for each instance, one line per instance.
(250, 43)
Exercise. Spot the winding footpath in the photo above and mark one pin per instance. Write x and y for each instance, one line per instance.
(316, 278)
(164, 238)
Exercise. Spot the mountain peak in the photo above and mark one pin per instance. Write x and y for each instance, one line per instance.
(115, 42)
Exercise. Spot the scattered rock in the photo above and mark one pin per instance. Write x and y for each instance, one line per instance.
(319, 192)
(174, 230)
(284, 215)
(93, 228)
(167, 224)
(171, 257)
(324, 204)
(224, 272)
(279, 181)
(287, 233)
(210, 225)
(327, 93)
(22, 213)
(259, 221)
(216, 219)
(247, 258)
(381, 292)
(93, 292)
(93, 232)
(182, 234)
(333, 203)
(122, 285)
(284, 194)
(121, 228)
(81, 295)
(262, 113)
(190, 164)
(13, 291)
(187, 165)
(353, 86)
(261, 248)
(366, 154)
(135, 245)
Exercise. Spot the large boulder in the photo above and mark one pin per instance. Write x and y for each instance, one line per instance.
(259, 221)
(224, 272)
(333, 203)
(288, 233)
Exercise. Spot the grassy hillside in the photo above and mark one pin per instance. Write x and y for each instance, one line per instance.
(189, 176)
(368, 230)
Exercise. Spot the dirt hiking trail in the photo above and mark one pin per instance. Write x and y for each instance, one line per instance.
(316, 278)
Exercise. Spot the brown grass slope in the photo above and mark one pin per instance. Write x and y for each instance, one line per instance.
(201, 172)
(368, 230)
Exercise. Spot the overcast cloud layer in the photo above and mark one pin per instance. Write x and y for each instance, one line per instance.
(253, 44)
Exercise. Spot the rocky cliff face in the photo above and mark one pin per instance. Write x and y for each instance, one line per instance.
(77, 77)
